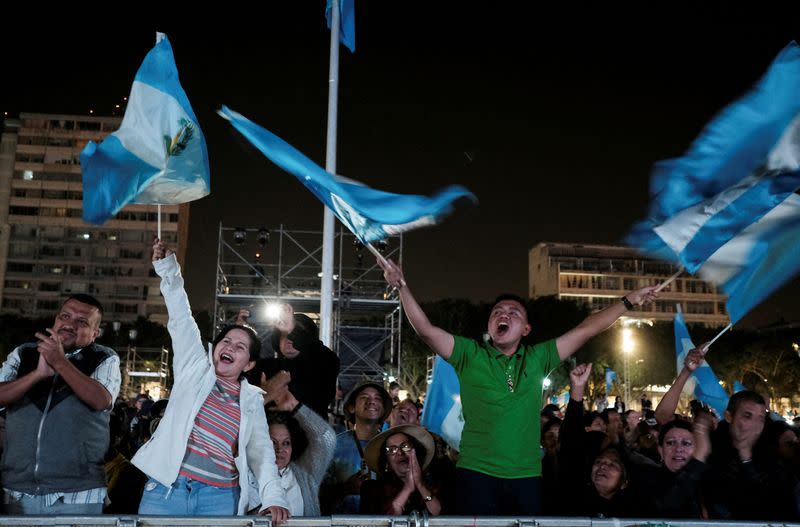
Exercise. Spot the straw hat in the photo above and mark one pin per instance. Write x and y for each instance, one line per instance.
(372, 453)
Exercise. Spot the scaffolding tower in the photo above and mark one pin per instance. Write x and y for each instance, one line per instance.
(259, 267)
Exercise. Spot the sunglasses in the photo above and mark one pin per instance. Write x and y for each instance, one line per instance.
(395, 449)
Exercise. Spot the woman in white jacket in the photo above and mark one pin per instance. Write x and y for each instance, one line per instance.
(214, 428)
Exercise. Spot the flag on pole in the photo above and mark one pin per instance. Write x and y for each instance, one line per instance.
(370, 214)
(706, 384)
(728, 210)
(158, 155)
(347, 22)
(611, 376)
(442, 412)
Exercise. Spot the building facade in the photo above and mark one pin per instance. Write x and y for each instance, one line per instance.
(47, 251)
(598, 275)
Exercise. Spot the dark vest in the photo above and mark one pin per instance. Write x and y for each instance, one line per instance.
(54, 442)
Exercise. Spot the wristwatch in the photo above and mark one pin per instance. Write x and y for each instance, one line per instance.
(627, 303)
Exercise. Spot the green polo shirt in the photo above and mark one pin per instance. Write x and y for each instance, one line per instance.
(501, 427)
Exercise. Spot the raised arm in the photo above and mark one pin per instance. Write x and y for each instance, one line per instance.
(183, 330)
(665, 411)
(439, 340)
(596, 323)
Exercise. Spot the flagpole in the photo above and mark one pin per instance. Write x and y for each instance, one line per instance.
(708, 344)
(669, 280)
(326, 286)
(159, 38)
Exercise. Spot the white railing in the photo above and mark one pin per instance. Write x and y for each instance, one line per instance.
(415, 520)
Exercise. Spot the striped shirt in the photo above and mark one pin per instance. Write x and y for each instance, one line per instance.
(213, 442)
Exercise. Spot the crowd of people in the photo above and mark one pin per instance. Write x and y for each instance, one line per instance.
(242, 434)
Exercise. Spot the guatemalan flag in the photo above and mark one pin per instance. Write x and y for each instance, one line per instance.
(158, 155)
(611, 376)
(703, 383)
(370, 214)
(728, 210)
(347, 22)
(442, 412)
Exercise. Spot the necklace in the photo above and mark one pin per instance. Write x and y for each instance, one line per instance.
(509, 376)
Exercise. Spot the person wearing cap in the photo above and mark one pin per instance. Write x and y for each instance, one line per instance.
(499, 467)
(366, 407)
(312, 365)
(400, 457)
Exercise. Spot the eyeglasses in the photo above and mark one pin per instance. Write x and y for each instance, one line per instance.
(683, 442)
(395, 449)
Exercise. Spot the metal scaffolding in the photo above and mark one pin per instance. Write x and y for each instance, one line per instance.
(260, 267)
(146, 370)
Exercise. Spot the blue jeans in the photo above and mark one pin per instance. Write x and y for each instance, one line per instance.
(34, 505)
(187, 497)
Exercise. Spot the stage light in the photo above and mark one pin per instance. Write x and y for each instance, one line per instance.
(263, 237)
(239, 236)
(273, 311)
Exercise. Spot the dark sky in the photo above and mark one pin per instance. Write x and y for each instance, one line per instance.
(552, 116)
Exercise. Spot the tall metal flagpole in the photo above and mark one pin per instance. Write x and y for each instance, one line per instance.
(159, 38)
(326, 290)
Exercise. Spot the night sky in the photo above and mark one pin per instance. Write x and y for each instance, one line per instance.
(552, 116)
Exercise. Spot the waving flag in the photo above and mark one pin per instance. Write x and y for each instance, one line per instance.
(706, 384)
(370, 214)
(611, 376)
(347, 22)
(727, 210)
(158, 155)
(442, 412)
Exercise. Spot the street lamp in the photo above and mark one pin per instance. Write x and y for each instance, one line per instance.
(627, 349)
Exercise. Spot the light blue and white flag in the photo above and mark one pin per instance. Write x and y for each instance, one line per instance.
(728, 210)
(703, 382)
(158, 155)
(442, 411)
(347, 22)
(738, 387)
(370, 214)
(611, 376)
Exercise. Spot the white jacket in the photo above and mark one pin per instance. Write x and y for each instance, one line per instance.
(161, 457)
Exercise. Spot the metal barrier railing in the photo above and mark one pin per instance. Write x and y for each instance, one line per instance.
(415, 520)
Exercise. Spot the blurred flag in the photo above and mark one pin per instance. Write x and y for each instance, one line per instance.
(738, 387)
(370, 214)
(611, 376)
(727, 210)
(347, 22)
(158, 155)
(442, 411)
(706, 384)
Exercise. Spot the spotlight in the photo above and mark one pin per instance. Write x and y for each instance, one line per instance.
(239, 236)
(273, 311)
(263, 237)
(358, 245)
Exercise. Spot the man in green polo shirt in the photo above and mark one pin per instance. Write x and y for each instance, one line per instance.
(499, 467)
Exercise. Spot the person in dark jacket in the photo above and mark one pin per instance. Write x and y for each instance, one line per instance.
(60, 387)
(299, 351)
(745, 481)
(672, 490)
(591, 470)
